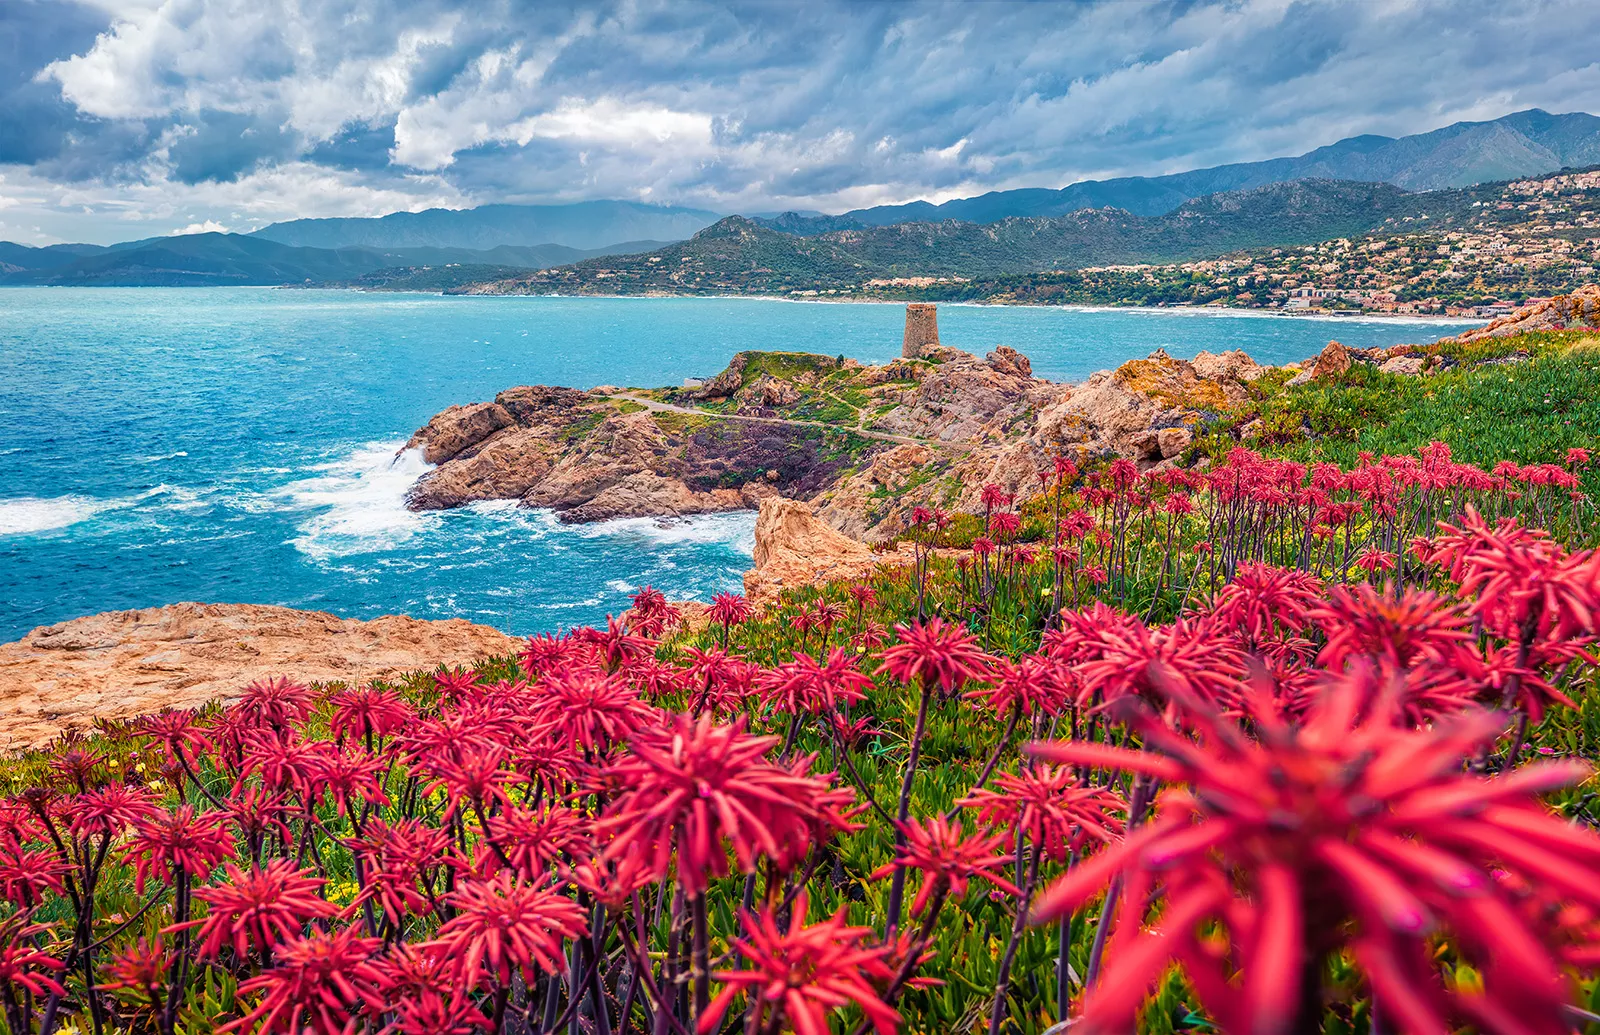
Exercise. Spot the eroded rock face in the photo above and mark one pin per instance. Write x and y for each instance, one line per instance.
(795, 548)
(459, 428)
(1007, 360)
(125, 663)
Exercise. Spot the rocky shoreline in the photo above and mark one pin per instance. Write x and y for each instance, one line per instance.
(862, 444)
(119, 664)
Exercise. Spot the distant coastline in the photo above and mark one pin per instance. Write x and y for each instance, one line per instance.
(1212, 310)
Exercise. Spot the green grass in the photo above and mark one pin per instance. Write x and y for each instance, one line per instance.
(1532, 410)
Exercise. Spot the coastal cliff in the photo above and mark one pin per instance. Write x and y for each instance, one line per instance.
(862, 444)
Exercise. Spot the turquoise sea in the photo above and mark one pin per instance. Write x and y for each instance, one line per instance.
(239, 445)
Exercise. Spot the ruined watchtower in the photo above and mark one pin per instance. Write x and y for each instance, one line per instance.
(922, 329)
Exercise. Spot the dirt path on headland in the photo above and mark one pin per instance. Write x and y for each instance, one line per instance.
(857, 429)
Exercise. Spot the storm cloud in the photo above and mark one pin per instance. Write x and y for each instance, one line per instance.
(127, 118)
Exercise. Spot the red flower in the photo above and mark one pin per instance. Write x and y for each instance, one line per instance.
(803, 973)
(803, 687)
(948, 860)
(368, 712)
(730, 609)
(936, 652)
(276, 701)
(994, 496)
(1362, 621)
(693, 784)
(1004, 524)
(431, 1014)
(1348, 832)
(1034, 684)
(1521, 582)
(1373, 560)
(400, 860)
(175, 730)
(532, 839)
(1054, 808)
(1133, 658)
(593, 710)
(719, 681)
(478, 778)
(864, 595)
(27, 873)
(320, 986)
(141, 967)
(1265, 602)
(502, 924)
(853, 735)
(109, 811)
(21, 964)
(453, 683)
(548, 653)
(259, 907)
(615, 645)
(181, 840)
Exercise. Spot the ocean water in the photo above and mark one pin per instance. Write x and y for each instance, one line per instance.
(239, 445)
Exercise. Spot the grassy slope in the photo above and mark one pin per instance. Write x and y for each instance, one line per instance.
(1527, 399)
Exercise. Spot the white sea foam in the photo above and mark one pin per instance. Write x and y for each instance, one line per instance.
(157, 458)
(359, 502)
(736, 528)
(28, 514)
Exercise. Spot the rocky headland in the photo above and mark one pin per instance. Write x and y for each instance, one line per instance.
(125, 663)
(862, 444)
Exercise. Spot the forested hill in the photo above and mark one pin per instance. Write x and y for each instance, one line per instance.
(740, 255)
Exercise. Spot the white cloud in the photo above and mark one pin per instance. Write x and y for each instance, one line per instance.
(828, 106)
(210, 226)
(102, 213)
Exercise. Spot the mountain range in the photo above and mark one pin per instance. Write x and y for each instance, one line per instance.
(214, 259)
(409, 247)
(584, 224)
(740, 255)
(1525, 143)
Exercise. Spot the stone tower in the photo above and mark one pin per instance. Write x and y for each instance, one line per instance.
(922, 329)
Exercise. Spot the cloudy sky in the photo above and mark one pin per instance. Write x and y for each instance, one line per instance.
(131, 118)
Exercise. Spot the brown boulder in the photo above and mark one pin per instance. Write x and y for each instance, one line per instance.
(768, 391)
(503, 468)
(1334, 360)
(1008, 360)
(1579, 309)
(1173, 441)
(121, 664)
(1409, 366)
(727, 382)
(1235, 365)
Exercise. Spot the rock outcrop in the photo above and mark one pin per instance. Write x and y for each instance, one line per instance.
(1579, 309)
(593, 456)
(1336, 359)
(863, 444)
(125, 663)
(795, 548)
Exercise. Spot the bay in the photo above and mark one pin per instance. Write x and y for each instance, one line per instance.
(238, 444)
